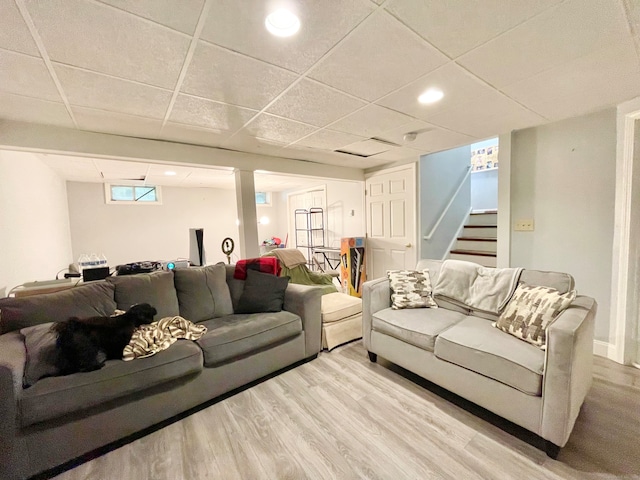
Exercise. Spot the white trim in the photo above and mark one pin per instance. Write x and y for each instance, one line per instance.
(602, 349)
(621, 321)
(455, 237)
(503, 251)
(446, 209)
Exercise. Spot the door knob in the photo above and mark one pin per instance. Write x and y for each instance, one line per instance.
(408, 245)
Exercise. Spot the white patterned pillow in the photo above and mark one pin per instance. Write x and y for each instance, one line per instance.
(531, 310)
(411, 289)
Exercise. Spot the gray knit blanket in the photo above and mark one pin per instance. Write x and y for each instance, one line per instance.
(476, 287)
(150, 339)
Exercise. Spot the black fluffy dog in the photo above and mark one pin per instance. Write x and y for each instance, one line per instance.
(84, 344)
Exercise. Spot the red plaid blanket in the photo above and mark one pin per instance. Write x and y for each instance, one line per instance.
(262, 264)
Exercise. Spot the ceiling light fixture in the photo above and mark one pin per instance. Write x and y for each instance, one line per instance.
(170, 172)
(282, 23)
(431, 96)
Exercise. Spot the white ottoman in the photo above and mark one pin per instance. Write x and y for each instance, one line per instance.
(341, 319)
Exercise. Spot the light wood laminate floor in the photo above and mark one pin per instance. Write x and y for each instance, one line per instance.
(342, 417)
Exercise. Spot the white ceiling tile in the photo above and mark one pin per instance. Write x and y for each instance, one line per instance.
(232, 78)
(429, 138)
(560, 34)
(459, 88)
(329, 140)
(14, 34)
(121, 170)
(177, 132)
(244, 142)
(26, 75)
(226, 182)
(487, 116)
(478, 21)
(94, 120)
(604, 78)
(370, 121)
(397, 154)
(181, 15)
(240, 27)
(380, 56)
(277, 129)
(314, 103)
(209, 114)
(367, 147)
(88, 89)
(69, 167)
(34, 110)
(300, 152)
(103, 39)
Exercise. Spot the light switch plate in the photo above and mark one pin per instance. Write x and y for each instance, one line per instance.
(524, 225)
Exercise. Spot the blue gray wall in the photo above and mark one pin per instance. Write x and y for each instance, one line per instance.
(440, 176)
(484, 190)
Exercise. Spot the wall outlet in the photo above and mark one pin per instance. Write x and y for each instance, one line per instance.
(524, 225)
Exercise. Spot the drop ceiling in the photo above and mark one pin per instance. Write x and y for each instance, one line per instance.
(207, 72)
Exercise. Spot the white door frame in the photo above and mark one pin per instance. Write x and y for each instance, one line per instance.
(625, 271)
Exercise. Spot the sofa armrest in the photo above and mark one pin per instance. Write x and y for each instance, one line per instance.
(12, 359)
(376, 296)
(305, 301)
(568, 369)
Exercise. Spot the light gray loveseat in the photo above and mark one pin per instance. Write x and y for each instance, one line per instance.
(459, 349)
(60, 418)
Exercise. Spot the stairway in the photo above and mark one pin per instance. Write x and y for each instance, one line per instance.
(479, 240)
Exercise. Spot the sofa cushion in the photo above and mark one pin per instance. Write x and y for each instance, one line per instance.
(87, 300)
(263, 292)
(203, 292)
(156, 289)
(410, 289)
(531, 310)
(336, 306)
(40, 346)
(563, 282)
(418, 327)
(475, 345)
(53, 397)
(234, 336)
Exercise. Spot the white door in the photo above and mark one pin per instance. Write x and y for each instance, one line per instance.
(391, 220)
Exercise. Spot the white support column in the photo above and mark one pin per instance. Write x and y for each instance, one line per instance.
(503, 259)
(246, 202)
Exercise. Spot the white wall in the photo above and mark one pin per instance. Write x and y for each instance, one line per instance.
(484, 189)
(345, 211)
(129, 233)
(563, 177)
(34, 222)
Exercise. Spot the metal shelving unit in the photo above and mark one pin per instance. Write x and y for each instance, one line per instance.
(309, 231)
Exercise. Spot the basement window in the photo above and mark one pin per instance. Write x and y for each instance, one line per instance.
(263, 198)
(132, 194)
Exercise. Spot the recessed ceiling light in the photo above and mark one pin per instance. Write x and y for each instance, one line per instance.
(431, 96)
(282, 23)
(170, 172)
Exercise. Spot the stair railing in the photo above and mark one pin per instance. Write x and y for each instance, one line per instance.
(446, 209)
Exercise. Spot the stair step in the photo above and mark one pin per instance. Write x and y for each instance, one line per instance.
(479, 253)
(481, 226)
(478, 239)
(484, 212)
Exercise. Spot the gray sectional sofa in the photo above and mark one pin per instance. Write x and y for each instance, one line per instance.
(60, 418)
(458, 348)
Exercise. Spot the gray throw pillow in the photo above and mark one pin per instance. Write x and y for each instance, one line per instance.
(263, 292)
(155, 288)
(40, 344)
(203, 292)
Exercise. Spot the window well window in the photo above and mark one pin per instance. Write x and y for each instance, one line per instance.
(132, 194)
(263, 198)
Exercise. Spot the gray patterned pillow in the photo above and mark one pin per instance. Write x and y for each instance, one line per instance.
(411, 289)
(531, 310)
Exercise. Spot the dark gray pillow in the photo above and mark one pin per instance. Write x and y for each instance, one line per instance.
(88, 300)
(155, 288)
(263, 292)
(203, 292)
(40, 343)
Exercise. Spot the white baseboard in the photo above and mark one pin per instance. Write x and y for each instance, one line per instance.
(602, 349)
